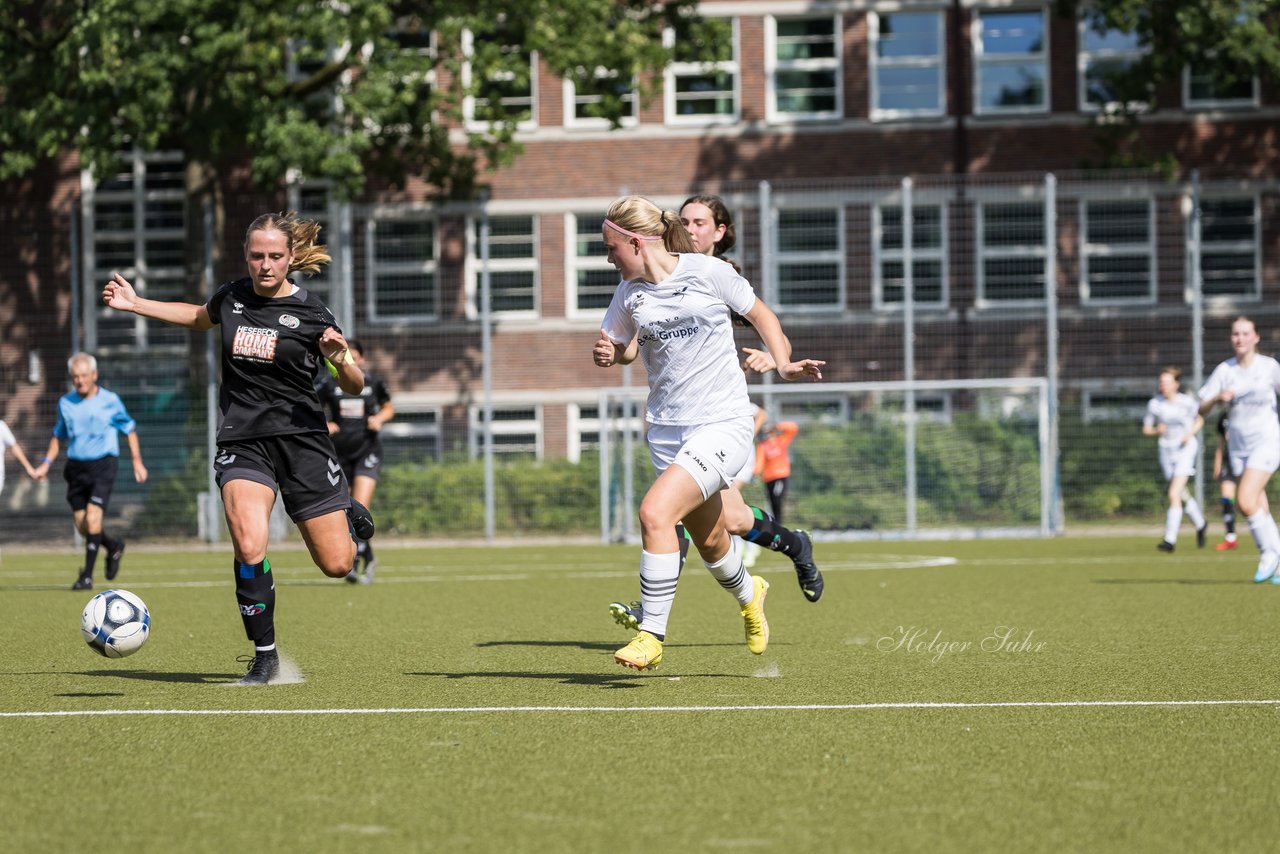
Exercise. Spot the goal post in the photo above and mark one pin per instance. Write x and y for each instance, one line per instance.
(981, 456)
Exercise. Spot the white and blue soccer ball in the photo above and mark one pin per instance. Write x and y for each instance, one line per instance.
(115, 623)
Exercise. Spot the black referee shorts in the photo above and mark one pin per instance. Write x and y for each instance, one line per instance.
(367, 462)
(303, 466)
(90, 481)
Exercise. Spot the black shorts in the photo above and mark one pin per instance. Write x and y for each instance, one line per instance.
(302, 465)
(366, 463)
(90, 481)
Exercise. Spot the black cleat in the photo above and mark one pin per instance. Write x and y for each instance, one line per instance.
(84, 582)
(361, 520)
(113, 562)
(1164, 546)
(1200, 532)
(263, 667)
(806, 570)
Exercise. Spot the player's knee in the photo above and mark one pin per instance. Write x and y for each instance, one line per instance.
(336, 563)
(655, 518)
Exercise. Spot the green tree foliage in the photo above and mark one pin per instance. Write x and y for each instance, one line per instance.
(336, 89)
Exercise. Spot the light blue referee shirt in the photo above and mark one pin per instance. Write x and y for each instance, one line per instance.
(88, 424)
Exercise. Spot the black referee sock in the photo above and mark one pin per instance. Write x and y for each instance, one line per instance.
(256, 596)
(768, 533)
(1228, 516)
(92, 545)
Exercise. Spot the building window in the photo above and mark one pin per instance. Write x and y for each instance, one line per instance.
(506, 93)
(1106, 55)
(1011, 252)
(1206, 89)
(584, 425)
(517, 431)
(700, 91)
(513, 265)
(908, 64)
(1229, 247)
(311, 201)
(592, 279)
(413, 436)
(402, 268)
(1011, 55)
(928, 262)
(804, 74)
(135, 225)
(1110, 404)
(585, 95)
(810, 258)
(1117, 251)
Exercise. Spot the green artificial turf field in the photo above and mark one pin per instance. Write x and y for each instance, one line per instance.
(1068, 694)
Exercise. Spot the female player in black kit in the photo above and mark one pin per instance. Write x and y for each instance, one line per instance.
(272, 432)
(355, 425)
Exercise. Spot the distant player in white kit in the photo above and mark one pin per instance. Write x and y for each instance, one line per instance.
(1174, 417)
(672, 309)
(1247, 384)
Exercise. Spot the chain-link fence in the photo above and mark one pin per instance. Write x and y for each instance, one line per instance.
(1092, 282)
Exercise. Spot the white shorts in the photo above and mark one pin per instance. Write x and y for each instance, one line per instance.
(712, 453)
(1265, 457)
(1179, 460)
(748, 471)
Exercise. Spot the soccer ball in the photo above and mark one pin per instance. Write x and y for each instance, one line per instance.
(115, 623)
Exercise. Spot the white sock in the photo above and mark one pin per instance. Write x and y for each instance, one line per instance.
(1172, 519)
(1194, 513)
(1264, 531)
(658, 577)
(732, 575)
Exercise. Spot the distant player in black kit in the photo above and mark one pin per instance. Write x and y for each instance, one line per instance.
(355, 425)
(275, 335)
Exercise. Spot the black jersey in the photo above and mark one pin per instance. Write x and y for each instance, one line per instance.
(270, 354)
(351, 413)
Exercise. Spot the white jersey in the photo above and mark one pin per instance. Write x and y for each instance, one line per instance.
(1253, 420)
(686, 340)
(6, 441)
(1178, 414)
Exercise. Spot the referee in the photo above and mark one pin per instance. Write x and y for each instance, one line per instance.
(88, 420)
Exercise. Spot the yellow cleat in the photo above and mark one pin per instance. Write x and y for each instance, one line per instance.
(753, 617)
(644, 652)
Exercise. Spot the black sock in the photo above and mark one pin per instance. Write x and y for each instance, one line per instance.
(92, 545)
(362, 549)
(256, 595)
(1228, 515)
(768, 533)
(682, 536)
(368, 550)
(113, 544)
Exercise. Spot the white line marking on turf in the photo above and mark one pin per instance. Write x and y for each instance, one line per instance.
(803, 707)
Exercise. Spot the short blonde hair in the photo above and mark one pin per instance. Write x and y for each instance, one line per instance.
(638, 214)
(308, 256)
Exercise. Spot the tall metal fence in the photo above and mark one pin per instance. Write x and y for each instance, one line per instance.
(480, 318)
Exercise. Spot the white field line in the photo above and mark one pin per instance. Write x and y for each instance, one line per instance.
(807, 707)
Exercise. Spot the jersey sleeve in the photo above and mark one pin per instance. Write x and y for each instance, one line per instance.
(1215, 384)
(380, 393)
(120, 417)
(6, 436)
(60, 430)
(618, 323)
(733, 288)
(1149, 417)
(214, 306)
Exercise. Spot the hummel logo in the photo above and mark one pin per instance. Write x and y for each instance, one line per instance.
(334, 469)
(237, 307)
(226, 459)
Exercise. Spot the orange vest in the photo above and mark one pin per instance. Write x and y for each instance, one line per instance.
(773, 461)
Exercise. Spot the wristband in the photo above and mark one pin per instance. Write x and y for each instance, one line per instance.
(45, 461)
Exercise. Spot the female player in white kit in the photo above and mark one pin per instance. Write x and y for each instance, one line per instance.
(1174, 416)
(675, 303)
(1247, 384)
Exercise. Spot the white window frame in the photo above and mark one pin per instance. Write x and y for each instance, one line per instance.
(981, 62)
(1086, 58)
(680, 69)
(1132, 411)
(402, 428)
(1097, 250)
(577, 424)
(1201, 104)
(425, 267)
(1252, 247)
(325, 283)
(1023, 251)
(572, 99)
(875, 64)
(473, 268)
(139, 271)
(573, 263)
(475, 431)
(880, 255)
(469, 102)
(835, 256)
(773, 66)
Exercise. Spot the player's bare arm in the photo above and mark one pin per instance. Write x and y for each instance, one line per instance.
(120, 295)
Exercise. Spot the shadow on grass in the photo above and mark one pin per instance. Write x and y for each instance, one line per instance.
(609, 646)
(92, 694)
(590, 680)
(153, 676)
(1173, 581)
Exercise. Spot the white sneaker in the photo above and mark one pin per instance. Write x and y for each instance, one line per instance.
(1266, 566)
